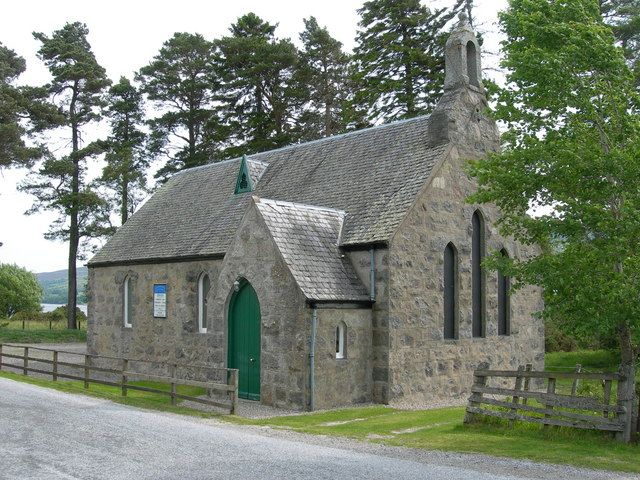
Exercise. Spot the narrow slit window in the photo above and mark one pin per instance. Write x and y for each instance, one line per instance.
(127, 301)
(504, 301)
(341, 333)
(204, 285)
(472, 64)
(450, 283)
(477, 276)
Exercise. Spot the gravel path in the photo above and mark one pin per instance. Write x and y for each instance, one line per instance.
(45, 434)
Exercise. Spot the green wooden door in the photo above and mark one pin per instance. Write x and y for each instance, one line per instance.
(244, 341)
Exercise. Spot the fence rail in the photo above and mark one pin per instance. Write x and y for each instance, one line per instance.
(123, 373)
(549, 407)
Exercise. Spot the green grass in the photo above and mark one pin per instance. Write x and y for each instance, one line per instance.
(591, 360)
(442, 429)
(16, 335)
(31, 324)
(135, 398)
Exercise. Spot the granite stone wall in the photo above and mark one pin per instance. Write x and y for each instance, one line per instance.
(348, 380)
(361, 261)
(424, 367)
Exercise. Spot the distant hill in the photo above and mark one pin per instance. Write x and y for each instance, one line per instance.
(54, 285)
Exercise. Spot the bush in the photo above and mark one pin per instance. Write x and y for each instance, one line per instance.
(60, 315)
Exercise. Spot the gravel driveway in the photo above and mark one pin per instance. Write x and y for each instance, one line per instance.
(45, 434)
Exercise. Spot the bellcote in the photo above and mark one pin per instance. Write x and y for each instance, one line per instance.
(462, 58)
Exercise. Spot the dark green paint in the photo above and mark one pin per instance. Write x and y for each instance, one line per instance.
(244, 340)
(243, 182)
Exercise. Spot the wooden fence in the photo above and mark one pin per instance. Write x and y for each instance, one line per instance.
(544, 405)
(121, 372)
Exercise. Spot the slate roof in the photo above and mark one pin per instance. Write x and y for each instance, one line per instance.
(256, 169)
(373, 175)
(307, 237)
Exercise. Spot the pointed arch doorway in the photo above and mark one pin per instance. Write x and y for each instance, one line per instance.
(243, 350)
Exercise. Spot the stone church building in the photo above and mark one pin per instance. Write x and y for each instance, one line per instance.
(334, 272)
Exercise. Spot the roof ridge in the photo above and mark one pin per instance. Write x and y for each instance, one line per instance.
(310, 142)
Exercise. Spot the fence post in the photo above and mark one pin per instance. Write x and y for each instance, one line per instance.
(576, 381)
(125, 364)
(0, 356)
(527, 382)
(551, 389)
(234, 392)
(516, 398)
(25, 361)
(55, 365)
(172, 372)
(49, 323)
(474, 399)
(626, 398)
(607, 396)
(87, 364)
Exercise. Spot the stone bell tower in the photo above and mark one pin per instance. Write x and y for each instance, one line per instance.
(461, 114)
(462, 58)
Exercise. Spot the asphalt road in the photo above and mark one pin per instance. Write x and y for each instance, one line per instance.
(46, 434)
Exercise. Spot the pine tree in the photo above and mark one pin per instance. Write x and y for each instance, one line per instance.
(127, 162)
(323, 69)
(17, 106)
(623, 16)
(181, 83)
(259, 95)
(59, 184)
(399, 59)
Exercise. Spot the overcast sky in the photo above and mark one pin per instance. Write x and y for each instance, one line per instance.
(124, 36)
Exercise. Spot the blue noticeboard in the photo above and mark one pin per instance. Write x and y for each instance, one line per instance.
(160, 300)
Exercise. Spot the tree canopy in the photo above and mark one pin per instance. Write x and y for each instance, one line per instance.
(126, 158)
(572, 157)
(259, 95)
(180, 81)
(22, 111)
(19, 290)
(398, 62)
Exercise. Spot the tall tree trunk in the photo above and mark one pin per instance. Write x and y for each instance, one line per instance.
(72, 293)
(124, 207)
(408, 77)
(327, 98)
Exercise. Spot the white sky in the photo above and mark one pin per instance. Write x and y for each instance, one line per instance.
(125, 35)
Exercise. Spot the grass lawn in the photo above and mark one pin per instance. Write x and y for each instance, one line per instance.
(442, 429)
(135, 398)
(17, 335)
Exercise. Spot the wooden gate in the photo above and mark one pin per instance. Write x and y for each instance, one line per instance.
(548, 405)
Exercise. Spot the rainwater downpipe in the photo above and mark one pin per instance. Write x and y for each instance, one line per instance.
(312, 359)
(372, 273)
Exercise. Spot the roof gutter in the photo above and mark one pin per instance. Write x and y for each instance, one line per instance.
(156, 260)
